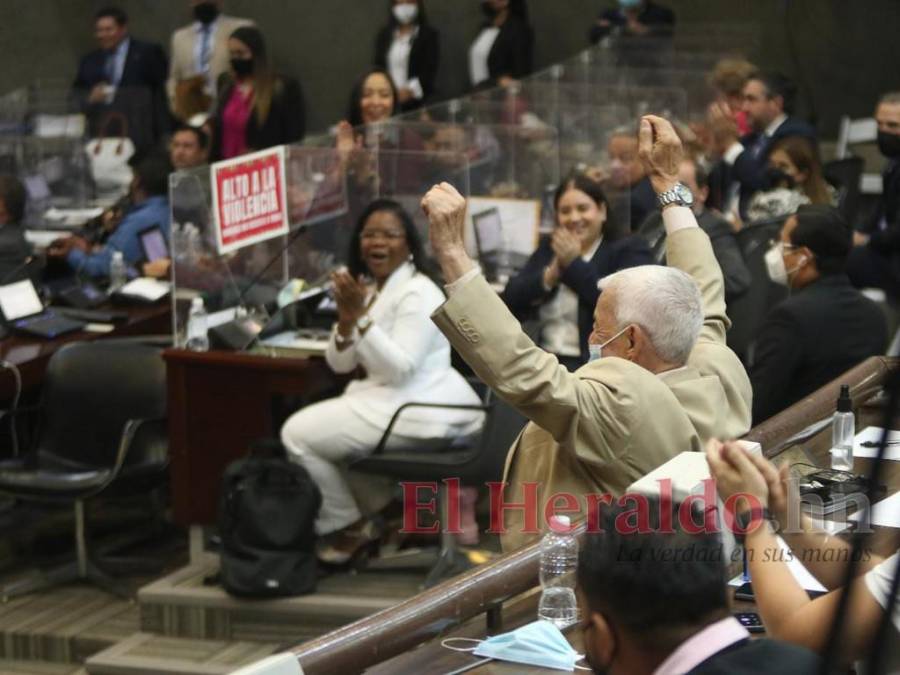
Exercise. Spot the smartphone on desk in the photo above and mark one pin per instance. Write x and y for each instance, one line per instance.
(750, 621)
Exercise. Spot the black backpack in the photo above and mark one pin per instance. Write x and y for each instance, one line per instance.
(267, 510)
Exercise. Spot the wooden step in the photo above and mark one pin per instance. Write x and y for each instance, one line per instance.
(181, 605)
(8, 667)
(147, 654)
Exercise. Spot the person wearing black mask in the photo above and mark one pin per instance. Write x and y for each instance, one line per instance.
(257, 108)
(199, 57)
(875, 261)
(502, 51)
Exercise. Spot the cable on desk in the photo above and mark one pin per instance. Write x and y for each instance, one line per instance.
(17, 376)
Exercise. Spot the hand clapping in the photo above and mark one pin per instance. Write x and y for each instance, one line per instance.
(349, 295)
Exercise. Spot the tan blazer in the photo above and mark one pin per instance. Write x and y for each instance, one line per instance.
(183, 65)
(601, 428)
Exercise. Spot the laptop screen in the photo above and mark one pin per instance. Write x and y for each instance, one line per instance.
(154, 244)
(19, 300)
(488, 231)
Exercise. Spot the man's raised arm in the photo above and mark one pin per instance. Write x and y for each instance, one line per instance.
(687, 246)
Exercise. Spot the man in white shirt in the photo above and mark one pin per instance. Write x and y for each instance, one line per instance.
(769, 104)
(199, 57)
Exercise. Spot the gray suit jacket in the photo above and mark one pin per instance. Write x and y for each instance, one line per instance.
(601, 428)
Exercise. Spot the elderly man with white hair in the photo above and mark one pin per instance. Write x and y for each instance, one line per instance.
(666, 381)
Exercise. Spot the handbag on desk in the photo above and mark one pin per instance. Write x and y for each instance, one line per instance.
(108, 156)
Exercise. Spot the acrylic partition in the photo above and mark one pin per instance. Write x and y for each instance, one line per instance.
(327, 191)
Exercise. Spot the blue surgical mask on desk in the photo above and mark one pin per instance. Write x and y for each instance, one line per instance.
(539, 643)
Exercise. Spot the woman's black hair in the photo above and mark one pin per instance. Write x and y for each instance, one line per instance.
(593, 189)
(518, 8)
(413, 241)
(354, 109)
(421, 18)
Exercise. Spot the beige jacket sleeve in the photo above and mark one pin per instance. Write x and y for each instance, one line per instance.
(590, 415)
(689, 250)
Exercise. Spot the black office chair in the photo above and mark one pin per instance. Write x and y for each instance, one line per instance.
(101, 428)
(844, 175)
(482, 461)
(748, 311)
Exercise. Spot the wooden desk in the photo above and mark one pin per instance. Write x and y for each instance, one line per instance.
(432, 657)
(218, 403)
(31, 354)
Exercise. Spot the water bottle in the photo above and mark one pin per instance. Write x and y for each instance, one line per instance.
(118, 273)
(197, 339)
(843, 430)
(559, 563)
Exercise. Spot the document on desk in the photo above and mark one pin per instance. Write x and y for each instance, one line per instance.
(311, 342)
(865, 444)
(885, 513)
(803, 576)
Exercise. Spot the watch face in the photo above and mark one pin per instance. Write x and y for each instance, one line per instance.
(684, 194)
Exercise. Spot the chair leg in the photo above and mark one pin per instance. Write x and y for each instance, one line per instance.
(80, 569)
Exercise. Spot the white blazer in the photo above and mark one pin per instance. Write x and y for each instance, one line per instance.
(406, 359)
(183, 64)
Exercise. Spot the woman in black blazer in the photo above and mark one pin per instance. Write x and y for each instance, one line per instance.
(408, 48)
(558, 285)
(257, 108)
(502, 51)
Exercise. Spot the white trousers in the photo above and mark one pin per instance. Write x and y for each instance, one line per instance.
(323, 437)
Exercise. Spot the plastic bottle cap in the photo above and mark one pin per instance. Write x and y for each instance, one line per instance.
(561, 521)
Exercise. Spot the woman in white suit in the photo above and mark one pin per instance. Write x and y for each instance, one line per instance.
(384, 303)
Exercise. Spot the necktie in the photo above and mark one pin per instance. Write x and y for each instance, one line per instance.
(204, 49)
(109, 68)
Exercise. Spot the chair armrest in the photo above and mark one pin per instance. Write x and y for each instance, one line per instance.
(133, 430)
(446, 406)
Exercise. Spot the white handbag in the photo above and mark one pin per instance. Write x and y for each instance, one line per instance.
(108, 156)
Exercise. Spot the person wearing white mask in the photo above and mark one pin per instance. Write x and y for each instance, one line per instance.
(824, 327)
(409, 49)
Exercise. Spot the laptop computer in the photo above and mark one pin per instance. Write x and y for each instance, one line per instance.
(23, 312)
(153, 243)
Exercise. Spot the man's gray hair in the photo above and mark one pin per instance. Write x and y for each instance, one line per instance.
(891, 98)
(664, 301)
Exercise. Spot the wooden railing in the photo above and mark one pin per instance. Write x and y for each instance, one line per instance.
(383, 635)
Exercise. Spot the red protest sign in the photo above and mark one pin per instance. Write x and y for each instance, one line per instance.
(248, 197)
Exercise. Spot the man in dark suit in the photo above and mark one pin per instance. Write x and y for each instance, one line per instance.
(636, 18)
(825, 327)
(126, 76)
(769, 104)
(655, 599)
(875, 262)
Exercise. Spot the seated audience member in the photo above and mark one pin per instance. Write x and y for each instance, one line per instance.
(408, 48)
(875, 261)
(199, 57)
(724, 244)
(794, 177)
(150, 206)
(502, 51)
(633, 18)
(14, 250)
(649, 611)
(824, 327)
(671, 382)
(257, 108)
(768, 102)
(626, 173)
(188, 148)
(559, 283)
(786, 609)
(728, 78)
(124, 75)
(384, 300)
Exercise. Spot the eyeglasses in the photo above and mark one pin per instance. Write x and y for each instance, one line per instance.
(390, 235)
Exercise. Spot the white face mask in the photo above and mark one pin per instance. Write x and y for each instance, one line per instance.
(776, 268)
(406, 13)
(539, 643)
(596, 351)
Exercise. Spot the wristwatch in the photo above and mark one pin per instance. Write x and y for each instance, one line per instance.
(745, 519)
(679, 195)
(363, 324)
